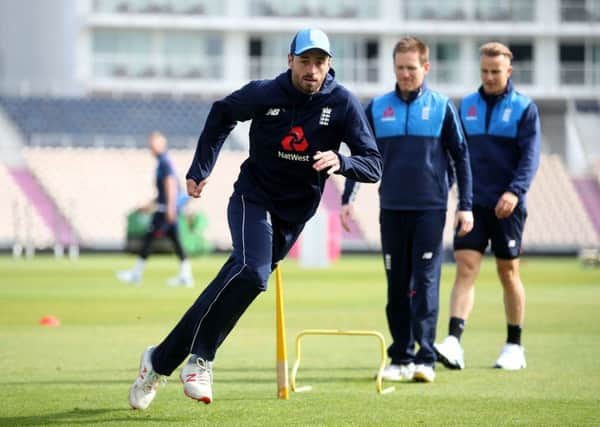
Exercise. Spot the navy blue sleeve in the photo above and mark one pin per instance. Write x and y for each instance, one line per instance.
(454, 140)
(351, 186)
(364, 164)
(350, 190)
(222, 118)
(529, 135)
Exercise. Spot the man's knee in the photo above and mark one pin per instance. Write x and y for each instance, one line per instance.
(508, 271)
(256, 276)
(467, 263)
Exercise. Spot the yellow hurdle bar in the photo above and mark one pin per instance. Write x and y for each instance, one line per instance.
(380, 338)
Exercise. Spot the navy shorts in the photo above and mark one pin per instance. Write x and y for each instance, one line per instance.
(506, 234)
(160, 226)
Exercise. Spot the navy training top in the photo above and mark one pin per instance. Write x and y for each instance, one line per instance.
(288, 128)
(503, 134)
(423, 148)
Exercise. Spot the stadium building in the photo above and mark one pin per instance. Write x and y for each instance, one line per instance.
(83, 82)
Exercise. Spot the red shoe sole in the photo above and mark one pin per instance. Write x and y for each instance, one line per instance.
(206, 400)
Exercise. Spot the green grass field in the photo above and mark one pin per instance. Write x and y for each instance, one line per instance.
(80, 373)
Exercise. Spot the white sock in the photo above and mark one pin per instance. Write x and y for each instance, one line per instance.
(138, 267)
(185, 269)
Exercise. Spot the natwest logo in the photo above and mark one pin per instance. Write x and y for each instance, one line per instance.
(295, 140)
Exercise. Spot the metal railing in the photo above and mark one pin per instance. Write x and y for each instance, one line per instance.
(122, 65)
(178, 7)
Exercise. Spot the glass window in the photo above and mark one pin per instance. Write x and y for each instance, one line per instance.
(122, 52)
(148, 54)
(445, 63)
(192, 55)
(522, 62)
(355, 59)
(574, 10)
(594, 10)
(572, 63)
(434, 10)
(341, 9)
(504, 10)
(268, 55)
(596, 64)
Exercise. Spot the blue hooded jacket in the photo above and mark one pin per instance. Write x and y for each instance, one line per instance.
(422, 145)
(288, 128)
(503, 134)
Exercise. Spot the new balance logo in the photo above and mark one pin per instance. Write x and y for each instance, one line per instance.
(190, 378)
(272, 112)
(427, 255)
(325, 116)
(388, 261)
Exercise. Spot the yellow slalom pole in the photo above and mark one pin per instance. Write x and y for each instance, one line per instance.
(282, 361)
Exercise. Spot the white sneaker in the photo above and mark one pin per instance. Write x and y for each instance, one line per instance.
(424, 374)
(450, 353)
(197, 380)
(183, 281)
(398, 372)
(144, 387)
(512, 357)
(130, 276)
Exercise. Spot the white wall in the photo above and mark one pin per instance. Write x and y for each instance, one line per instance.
(37, 52)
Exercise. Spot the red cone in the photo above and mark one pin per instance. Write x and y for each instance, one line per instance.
(49, 321)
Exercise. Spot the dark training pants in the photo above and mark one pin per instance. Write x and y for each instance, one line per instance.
(412, 253)
(259, 242)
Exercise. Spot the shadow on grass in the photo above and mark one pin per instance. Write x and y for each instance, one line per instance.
(84, 417)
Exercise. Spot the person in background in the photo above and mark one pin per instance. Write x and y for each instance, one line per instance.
(503, 134)
(165, 210)
(419, 135)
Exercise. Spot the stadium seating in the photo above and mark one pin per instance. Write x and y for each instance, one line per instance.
(20, 222)
(105, 121)
(97, 187)
(596, 170)
(557, 220)
(557, 217)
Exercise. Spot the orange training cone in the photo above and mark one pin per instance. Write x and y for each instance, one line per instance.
(49, 321)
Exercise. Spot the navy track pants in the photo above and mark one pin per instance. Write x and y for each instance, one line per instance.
(411, 243)
(259, 243)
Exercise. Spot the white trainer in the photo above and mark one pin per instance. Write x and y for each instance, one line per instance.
(424, 374)
(130, 276)
(398, 372)
(144, 387)
(512, 357)
(450, 353)
(183, 281)
(197, 380)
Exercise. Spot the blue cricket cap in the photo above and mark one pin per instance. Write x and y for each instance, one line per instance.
(310, 38)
